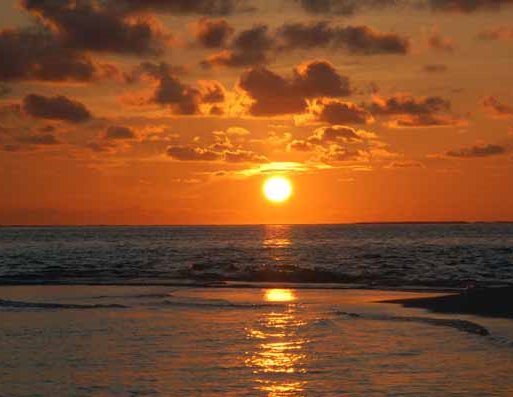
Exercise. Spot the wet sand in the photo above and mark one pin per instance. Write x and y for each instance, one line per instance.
(487, 302)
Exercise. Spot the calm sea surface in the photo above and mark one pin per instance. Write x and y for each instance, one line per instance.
(174, 335)
(434, 255)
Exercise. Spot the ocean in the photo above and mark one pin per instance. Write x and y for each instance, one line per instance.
(398, 255)
(265, 311)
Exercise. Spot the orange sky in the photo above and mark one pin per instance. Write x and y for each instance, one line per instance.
(175, 111)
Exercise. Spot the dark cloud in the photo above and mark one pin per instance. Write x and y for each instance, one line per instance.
(320, 79)
(357, 40)
(274, 94)
(36, 55)
(250, 47)
(435, 68)
(467, 6)
(339, 112)
(83, 25)
(56, 108)
(202, 7)
(119, 133)
(342, 7)
(182, 98)
(478, 151)
(39, 139)
(426, 120)
(256, 46)
(496, 108)
(213, 33)
(351, 7)
(404, 104)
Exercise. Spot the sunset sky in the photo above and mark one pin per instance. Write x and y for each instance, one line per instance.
(176, 111)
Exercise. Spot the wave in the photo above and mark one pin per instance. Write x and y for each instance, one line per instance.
(50, 305)
(460, 325)
(215, 303)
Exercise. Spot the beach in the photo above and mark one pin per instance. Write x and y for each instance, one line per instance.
(256, 341)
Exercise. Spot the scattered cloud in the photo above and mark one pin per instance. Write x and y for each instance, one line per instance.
(56, 108)
(228, 146)
(273, 94)
(119, 133)
(36, 55)
(477, 151)
(342, 144)
(249, 48)
(495, 108)
(212, 33)
(356, 40)
(84, 25)
(335, 111)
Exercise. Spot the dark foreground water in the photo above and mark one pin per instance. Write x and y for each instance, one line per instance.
(126, 341)
(435, 255)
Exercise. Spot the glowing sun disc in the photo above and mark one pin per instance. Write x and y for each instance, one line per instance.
(277, 189)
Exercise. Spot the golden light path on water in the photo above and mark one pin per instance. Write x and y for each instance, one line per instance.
(279, 358)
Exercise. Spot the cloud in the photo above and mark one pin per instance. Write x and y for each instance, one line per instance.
(477, 151)
(341, 143)
(405, 104)
(352, 7)
(182, 98)
(84, 25)
(435, 68)
(38, 139)
(426, 120)
(202, 7)
(36, 55)
(119, 133)
(495, 108)
(320, 79)
(440, 43)
(212, 91)
(250, 47)
(56, 108)
(188, 153)
(406, 111)
(405, 164)
(257, 45)
(334, 111)
(356, 40)
(227, 146)
(212, 33)
(342, 7)
(467, 6)
(498, 33)
(273, 94)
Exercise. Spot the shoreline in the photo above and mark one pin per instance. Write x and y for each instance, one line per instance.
(485, 302)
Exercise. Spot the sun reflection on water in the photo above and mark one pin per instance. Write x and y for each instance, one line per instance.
(278, 358)
(279, 295)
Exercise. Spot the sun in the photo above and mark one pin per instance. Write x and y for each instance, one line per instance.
(277, 189)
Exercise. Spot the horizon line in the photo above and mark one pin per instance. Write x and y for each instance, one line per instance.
(454, 222)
